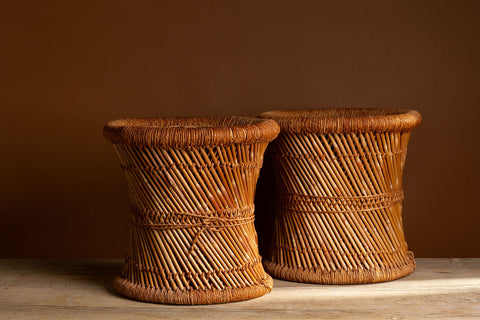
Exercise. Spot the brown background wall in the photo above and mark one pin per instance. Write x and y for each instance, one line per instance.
(67, 67)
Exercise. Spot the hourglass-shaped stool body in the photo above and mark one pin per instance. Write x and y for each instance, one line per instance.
(192, 184)
(339, 180)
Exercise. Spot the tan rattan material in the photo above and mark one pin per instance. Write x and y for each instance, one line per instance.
(339, 176)
(192, 184)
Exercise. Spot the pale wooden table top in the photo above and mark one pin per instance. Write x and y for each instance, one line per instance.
(82, 289)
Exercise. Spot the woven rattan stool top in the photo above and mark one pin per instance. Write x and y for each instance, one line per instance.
(345, 120)
(190, 131)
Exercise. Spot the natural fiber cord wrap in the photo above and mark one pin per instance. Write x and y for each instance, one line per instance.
(190, 132)
(192, 185)
(339, 177)
(331, 120)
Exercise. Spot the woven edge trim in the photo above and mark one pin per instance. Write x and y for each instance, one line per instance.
(344, 120)
(192, 297)
(190, 131)
(342, 276)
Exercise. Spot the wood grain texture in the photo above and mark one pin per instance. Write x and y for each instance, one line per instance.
(82, 289)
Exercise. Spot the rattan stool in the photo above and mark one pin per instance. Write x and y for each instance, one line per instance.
(192, 185)
(339, 178)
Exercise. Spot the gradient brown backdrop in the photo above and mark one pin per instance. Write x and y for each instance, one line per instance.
(67, 67)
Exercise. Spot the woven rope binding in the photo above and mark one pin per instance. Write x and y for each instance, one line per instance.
(190, 131)
(343, 120)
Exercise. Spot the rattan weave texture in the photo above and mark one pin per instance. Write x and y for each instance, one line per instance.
(339, 180)
(192, 184)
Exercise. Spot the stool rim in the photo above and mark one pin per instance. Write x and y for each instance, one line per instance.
(345, 120)
(190, 131)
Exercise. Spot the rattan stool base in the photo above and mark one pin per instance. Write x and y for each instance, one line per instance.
(341, 276)
(192, 297)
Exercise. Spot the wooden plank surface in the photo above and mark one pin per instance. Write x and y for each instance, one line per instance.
(82, 289)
